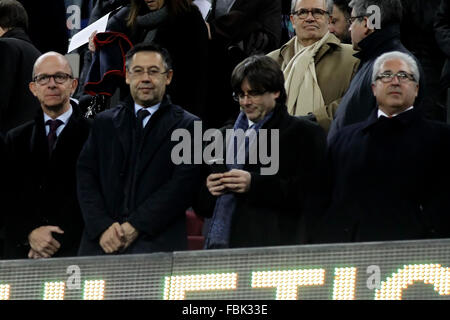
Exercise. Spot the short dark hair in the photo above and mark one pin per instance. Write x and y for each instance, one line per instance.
(262, 73)
(151, 47)
(13, 15)
(391, 10)
(342, 5)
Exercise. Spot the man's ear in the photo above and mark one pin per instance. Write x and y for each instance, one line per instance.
(277, 94)
(74, 85)
(127, 77)
(373, 85)
(169, 77)
(367, 30)
(32, 87)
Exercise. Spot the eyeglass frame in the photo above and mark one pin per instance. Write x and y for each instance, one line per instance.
(308, 11)
(353, 19)
(49, 76)
(391, 76)
(252, 94)
(151, 73)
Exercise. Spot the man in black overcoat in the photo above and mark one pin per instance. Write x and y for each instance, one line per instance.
(132, 192)
(17, 56)
(378, 189)
(373, 33)
(261, 202)
(42, 215)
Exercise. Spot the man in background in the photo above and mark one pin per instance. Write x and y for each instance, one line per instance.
(17, 56)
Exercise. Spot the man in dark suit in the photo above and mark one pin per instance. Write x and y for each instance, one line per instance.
(378, 188)
(17, 56)
(259, 202)
(373, 33)
(132, 194)
(43, 218)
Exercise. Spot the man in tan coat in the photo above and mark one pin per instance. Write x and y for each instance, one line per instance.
(317, 67)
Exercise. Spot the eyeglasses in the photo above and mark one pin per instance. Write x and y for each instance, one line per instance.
(352, 19)
(316, 13)
(59, 78)
(253, 94)
(401, 76)
(152, 73)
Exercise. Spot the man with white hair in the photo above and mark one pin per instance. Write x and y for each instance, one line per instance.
(317, 67)
(378, 189)
(375, 29)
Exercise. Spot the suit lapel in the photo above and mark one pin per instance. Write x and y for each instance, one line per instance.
(123, 121)
(39, 148)
(157, 131)
(67, 140)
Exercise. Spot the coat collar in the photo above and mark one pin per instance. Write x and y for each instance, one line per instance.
(404, 119)
(17, 33)
(39, 137)
(157, 130)
(287, 51)
(374, 43)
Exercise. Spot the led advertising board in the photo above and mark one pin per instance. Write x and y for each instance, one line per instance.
(369, 271)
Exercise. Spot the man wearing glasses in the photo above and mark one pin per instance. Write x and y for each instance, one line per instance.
(316, 66)
(372, 35)
(249, 206)
(378, 190)
(43, 217)
(132, 195)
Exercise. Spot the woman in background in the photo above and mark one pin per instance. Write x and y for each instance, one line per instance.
(178, 26)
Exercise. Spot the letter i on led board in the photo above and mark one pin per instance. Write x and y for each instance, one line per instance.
(94, 290)
(54, 290)
(4, 291)
(344, 283)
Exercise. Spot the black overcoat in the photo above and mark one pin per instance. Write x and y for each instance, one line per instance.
(271, 212)
(41, 190)
(156, 199)
(388, 180)
(17, 57)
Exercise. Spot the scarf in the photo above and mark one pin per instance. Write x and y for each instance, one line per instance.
(220, 227)
(304, 94)
(152, 21)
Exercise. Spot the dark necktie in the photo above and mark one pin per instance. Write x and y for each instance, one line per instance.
(140, 117)
(54, 124)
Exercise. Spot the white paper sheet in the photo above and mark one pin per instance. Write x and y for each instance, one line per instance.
(82, 37)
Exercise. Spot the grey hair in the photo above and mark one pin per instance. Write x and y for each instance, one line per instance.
(391, 10)
(294, 4)
(396, 55)
(330, 4)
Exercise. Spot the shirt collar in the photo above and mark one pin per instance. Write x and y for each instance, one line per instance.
(151, 109)
(381, 113)
(64, 117)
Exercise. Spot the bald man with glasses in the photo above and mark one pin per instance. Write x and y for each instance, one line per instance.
(43, 217)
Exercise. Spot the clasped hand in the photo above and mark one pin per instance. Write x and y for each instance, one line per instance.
(118, 237)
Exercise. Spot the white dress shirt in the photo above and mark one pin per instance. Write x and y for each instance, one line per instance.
(64, 118)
